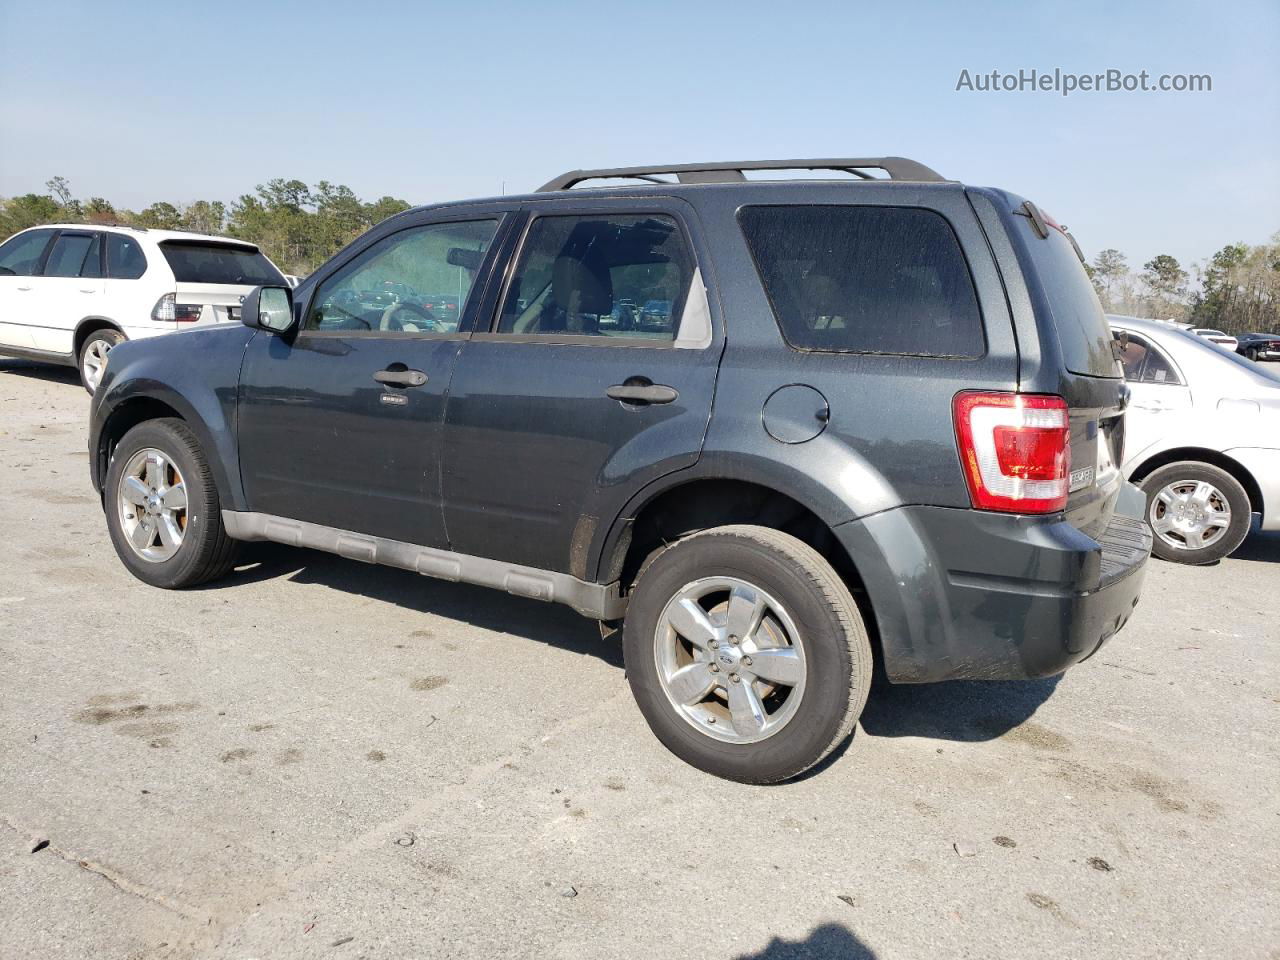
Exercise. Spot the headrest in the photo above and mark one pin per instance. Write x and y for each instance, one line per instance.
(577, 288)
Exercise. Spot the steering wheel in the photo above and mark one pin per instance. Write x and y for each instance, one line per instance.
(417, 320)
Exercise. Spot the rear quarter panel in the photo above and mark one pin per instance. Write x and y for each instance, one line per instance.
(890, 439)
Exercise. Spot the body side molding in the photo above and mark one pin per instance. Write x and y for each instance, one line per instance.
(600, 601)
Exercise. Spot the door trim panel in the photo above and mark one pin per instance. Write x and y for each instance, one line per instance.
(596, 600)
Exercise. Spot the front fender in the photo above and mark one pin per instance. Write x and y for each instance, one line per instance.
(196, 373)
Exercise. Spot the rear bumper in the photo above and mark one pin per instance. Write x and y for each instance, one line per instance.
(963, 594)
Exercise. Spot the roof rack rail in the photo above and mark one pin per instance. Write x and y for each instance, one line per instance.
(898, 168)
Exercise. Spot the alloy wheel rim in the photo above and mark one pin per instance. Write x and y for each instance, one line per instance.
(1190, 514)
(730, 659)
(95, 361)
(152, 500)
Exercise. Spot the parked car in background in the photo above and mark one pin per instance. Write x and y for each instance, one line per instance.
(69, 293)
(622, 316)
(655, 315)
(1259, 346)
(1216, 336)
(1202, 439)
(846, 434)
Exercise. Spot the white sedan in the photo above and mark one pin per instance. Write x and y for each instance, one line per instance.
(1202, 439)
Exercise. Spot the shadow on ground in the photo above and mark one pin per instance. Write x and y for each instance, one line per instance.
(963, 710)
(41, 371)
(827, 942)
(1261, 546)
(959, 710)
(482, 607)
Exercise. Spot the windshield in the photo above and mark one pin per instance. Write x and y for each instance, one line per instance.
(203, 262)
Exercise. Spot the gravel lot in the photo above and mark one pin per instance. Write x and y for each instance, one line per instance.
(316, 758)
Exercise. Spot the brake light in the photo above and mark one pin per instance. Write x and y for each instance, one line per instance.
(168, 310)
(1016, 450)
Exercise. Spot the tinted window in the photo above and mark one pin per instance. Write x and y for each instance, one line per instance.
(199, 262)
(606, 276)
(1073, 303)
(20, 255)
(125, 259)
(70, 255)
(414, 281)
(866, 279)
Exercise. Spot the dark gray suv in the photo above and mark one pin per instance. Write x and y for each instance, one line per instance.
(880, 425)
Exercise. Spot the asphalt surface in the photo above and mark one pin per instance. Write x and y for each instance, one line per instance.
(316, 758)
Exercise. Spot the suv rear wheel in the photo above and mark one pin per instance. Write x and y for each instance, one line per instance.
(1198, 512)
(746, 653)
(162, 507)
(93, 356)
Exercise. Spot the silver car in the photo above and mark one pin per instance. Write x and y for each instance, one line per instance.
(1202, 439)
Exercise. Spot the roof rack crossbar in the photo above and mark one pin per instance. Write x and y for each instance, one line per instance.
(898, 168)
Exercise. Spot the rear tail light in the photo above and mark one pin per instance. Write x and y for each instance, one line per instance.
(1016, 450)
(169, 310)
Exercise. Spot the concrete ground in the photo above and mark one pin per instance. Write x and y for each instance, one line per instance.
(316, 758)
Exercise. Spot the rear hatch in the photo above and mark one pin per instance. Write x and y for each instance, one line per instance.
(213, 276)
(1091, 379)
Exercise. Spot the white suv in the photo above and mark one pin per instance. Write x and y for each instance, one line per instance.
(69, 293)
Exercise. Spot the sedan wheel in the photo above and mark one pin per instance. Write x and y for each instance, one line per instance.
(1198, 512)
(1190, 514)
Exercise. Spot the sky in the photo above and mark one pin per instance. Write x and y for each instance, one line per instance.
(175, 101)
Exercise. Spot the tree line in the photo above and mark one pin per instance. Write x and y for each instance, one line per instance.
(1237, 290)
(297, 226)
(300, 226)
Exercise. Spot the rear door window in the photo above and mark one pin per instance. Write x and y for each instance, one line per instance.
(1072, 302)
(74, 255)
(866, 279)
(195, 261)
(600, 275)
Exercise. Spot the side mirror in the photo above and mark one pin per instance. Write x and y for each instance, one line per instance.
(268, 308)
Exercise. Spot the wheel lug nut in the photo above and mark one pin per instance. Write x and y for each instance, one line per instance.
(735, 678)
(715, 668)
(746, 661)
(715, 644)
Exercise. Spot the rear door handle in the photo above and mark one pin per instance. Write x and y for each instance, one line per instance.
(401, 378)
(646, 393)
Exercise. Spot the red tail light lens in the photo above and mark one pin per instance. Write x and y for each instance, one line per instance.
(1016, 450)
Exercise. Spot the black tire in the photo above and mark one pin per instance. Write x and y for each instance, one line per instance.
(206, 552)
(838, 660)
(101, 341)
(1229, 489)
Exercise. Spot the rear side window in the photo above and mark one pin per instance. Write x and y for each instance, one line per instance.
(74, 255)
(1143, 363)
(1072, 302)
(125, 259)
(198, 262)
(864, 279)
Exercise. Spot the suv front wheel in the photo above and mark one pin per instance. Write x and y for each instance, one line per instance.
(162, 507)
(746, 653)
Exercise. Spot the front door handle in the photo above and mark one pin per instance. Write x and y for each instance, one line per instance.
(642, 393)
(401, 378)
